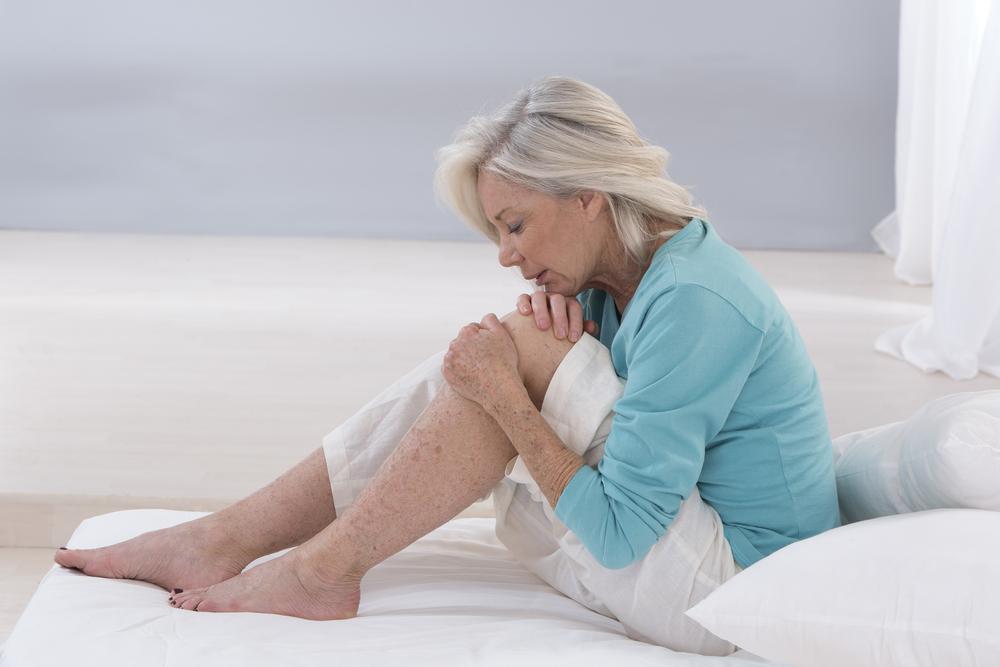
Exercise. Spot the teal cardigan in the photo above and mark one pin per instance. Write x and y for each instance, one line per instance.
(719, 393)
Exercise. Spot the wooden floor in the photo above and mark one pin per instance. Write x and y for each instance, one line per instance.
(185, 372)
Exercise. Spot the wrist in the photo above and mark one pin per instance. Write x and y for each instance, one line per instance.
(569, 472)
(507, 399)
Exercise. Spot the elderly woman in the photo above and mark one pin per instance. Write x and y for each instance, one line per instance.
(635, 471)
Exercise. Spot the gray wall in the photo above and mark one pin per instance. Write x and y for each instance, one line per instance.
(319, 118)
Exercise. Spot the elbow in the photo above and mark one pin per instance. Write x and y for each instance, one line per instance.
(624, 552)
(617, 559)
(617, 564)
(624, 542)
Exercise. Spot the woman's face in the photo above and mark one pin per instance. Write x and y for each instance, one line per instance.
(540, 234)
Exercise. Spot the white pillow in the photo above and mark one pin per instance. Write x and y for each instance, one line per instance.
(946, 455)
(910, 590)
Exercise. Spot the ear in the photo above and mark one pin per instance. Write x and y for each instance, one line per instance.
(592, 203)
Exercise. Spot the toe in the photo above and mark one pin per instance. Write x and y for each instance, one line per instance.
(68, 558)
(181, 598)
(191, 598)
(215, 604)
(190, 602)
(92, 562)
(210, 604)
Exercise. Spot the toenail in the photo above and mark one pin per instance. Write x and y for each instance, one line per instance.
(63, 549)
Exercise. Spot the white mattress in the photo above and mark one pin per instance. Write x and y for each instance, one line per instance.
(455, 597)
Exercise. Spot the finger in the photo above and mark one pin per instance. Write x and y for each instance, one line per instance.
(524, 304)
(540, 306)
(590, 326)
(557, 304)
(489, 321)
(575, 312)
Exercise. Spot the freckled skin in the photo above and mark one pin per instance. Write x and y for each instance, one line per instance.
(453, 454)
(412, 494)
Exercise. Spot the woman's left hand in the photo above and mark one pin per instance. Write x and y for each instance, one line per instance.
(481, 362)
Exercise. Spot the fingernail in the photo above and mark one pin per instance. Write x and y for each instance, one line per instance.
(560, 332)
(573, 336)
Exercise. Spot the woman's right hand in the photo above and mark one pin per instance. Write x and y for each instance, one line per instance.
(565, 314)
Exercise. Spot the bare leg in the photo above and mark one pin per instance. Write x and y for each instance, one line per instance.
(285, 513)
(451, 455)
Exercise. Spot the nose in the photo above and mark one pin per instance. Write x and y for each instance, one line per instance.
(508, 256)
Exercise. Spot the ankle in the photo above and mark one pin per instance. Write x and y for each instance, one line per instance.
(227, 540)
(334, 556)
(327, 570)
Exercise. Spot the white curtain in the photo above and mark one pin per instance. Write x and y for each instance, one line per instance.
(945, 230)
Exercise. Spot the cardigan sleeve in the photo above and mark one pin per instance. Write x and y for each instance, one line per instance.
(687, 363)
(584, 299)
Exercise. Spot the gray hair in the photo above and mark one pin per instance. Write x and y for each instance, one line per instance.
(561, 136)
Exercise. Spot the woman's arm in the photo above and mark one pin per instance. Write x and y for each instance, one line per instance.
(687, 356)
(550, 463)
(481, 365)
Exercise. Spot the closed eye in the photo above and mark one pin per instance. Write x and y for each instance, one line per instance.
(515, 229)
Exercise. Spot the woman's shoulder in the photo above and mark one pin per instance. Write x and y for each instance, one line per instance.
(712, 269)
(697, 305)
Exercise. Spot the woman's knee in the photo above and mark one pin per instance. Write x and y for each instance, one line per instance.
(539, 353)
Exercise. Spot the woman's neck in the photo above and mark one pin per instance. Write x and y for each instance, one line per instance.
(623, 288)
(620, 275)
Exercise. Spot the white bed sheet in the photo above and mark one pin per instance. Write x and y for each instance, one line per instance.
(455, 597)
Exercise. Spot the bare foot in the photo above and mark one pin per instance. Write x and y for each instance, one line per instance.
(189, 555)
(289, 585)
